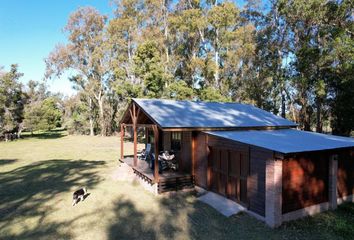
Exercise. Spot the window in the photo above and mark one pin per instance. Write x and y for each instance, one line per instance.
(176, 139)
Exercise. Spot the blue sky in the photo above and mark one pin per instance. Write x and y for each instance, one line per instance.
(29, 30)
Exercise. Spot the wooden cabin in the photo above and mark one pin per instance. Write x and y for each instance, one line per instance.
(243, 153)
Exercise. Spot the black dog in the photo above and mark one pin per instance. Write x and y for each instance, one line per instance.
(79, 195)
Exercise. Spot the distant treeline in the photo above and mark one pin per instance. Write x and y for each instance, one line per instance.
(31, 107)
(293, 58)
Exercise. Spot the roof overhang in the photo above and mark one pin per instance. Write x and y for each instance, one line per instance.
(287, 141)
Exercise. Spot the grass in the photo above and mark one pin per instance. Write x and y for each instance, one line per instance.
(39, 174)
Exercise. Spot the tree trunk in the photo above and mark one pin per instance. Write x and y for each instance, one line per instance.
(19, 131)
(216, 75)
(318, 116)
(283, 114)
(91, 117)
(305, 113)
(292, 107)
(100, 100)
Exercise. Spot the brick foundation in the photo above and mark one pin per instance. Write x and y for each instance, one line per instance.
(308, 211)
(349, 198)
(273, 213)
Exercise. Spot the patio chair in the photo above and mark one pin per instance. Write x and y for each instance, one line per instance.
(170, 160)
(144, 155)
(162, 164)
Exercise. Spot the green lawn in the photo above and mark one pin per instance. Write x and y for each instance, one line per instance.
(39, 174)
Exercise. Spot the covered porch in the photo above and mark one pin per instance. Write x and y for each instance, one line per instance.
(151, 169)
(168, 180)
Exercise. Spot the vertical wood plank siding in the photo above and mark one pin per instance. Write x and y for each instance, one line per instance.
(257, 158)
(305, 180)
(186, 152)
(166, 141)
(256, 189)
(345, 174)
(201, 160)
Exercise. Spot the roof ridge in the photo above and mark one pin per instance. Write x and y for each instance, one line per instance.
(193, 101)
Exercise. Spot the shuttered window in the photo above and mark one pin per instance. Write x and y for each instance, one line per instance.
(176, 139)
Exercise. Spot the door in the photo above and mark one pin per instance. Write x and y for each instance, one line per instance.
(229, 173)
(218, 171)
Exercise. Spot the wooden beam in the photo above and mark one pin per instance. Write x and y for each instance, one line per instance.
(139, 125)
(122, 141)
(156, 163)
(134, 119)
(131, 116)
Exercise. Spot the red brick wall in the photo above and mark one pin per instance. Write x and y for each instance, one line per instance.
(345, 174)
(305, 181)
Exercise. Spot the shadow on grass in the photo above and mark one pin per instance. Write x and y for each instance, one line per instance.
(176, 219)
(53, 134)
(24, 192)
(129, 223)
(181, 216)
(7, 161)
(336, 224)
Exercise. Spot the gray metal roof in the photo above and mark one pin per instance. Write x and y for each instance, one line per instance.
(190, 114)
(287, 140)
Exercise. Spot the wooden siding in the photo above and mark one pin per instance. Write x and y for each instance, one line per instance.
(257, 158)
(218, 142)
(345, 174)
(166, 141)
(185, 155)
(256, 187)
(229, 173)
(305, 181)
(175, 184)
(201, 160)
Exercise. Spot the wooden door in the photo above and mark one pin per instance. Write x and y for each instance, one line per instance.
(244, 166)
(234, 176)
(229, 173)
(219, 170)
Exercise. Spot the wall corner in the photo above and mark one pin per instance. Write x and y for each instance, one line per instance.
(273, 204)
(332, 181)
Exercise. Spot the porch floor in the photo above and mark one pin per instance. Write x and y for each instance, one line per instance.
(169, 180)
(143, 168)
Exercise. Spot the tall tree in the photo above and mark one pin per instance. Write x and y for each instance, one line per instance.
(149, 68)
(86, 53)
(12, 100)
(223, 20)
(340, 70)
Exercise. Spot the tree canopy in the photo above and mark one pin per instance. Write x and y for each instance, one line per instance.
(294, 58)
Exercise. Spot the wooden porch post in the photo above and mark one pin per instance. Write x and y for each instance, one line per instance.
(156, 163)
(121, 141)
(135, 146)
(134, 115)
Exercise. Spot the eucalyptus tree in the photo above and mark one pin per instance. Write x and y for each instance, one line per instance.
(223, 21)
(340, 70)
(189, 44)
(87, 54)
